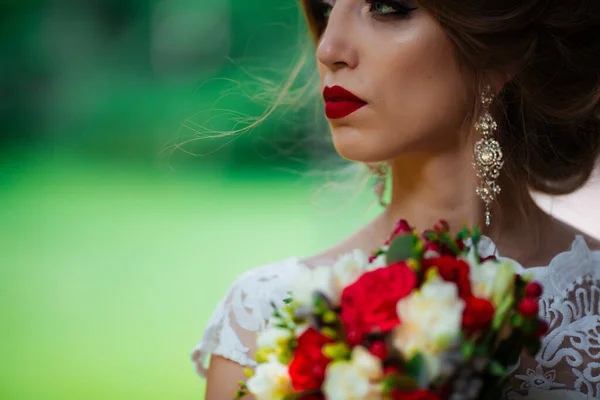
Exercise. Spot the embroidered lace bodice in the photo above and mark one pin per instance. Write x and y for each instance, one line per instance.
(566, 367)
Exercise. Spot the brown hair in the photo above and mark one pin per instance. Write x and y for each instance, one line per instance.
(550, 132)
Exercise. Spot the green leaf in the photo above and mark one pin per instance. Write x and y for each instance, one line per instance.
(415, 368)
(476, 235)
(401, 248)
(467, 349)
(450, 243)
(516, 320)
(403, 383)
(430, 235)
(529, 326)
(377, 253)
(464, 233)
(481, 350)
(502, 311)
(497, 369)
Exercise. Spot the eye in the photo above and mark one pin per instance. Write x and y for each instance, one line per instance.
(389, 8)
(381, 8)
(321, 9)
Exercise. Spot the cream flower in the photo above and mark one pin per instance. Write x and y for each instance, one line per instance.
(272, 337)
(331, 280)
(348, 268)
(493, 280)
(311, 280)
(271, 381)
(356, 379)
(431, 322)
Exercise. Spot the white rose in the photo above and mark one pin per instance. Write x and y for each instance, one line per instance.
(348, 268)
(482, 278)
(367, 363)
(272, 336)
(330, 280)
(493, 280)
(355, 379)
(271, 381)
(431, 322)
(311, 280)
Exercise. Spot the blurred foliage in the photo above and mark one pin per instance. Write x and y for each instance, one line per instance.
(119, 78)
(111, 263)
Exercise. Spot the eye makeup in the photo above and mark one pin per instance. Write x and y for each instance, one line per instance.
(319, 10)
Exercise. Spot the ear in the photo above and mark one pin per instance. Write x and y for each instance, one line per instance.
(497, 79)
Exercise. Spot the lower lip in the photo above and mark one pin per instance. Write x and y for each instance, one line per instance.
(340, 109)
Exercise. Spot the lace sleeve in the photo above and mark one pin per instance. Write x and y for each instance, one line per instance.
(568, 363)
(243, 312)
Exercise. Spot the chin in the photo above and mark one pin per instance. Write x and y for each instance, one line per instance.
(355, 146)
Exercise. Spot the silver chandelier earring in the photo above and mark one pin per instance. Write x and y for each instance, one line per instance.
(488, 155)
(379, 171)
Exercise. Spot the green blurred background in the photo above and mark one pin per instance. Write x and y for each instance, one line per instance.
(116, 242)
(121, 224)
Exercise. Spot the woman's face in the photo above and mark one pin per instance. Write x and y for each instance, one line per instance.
(395, 57)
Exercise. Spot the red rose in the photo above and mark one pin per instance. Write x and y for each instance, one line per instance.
(452, 270)
(369, 304)
(432, 250)
(402, 227)
(533, 289)
(379, 349)
(416, 395)
(529, 307)
(390, 370)
(477, 314)
(307, 369)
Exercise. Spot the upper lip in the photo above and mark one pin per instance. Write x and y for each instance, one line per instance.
(339, 93)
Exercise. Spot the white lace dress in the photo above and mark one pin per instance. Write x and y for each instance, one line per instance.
(567, 366)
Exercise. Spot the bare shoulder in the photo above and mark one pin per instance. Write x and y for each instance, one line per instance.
(368, 238)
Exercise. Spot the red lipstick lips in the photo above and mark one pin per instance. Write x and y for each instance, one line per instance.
(339, 102)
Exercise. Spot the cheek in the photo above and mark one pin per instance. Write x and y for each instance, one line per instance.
(423, 91)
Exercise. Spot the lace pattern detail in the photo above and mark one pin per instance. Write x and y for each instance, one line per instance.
(568, 363)
(245, 308)
(567, 366)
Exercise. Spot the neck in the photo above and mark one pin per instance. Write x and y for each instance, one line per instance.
(427, 188)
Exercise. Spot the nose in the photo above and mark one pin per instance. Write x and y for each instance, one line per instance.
(336, 48)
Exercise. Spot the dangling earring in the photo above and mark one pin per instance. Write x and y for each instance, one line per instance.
(488, 155)
(380, 172)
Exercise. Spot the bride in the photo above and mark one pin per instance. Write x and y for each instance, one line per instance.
(456, 99)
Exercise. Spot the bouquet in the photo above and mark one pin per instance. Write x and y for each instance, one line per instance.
(425, 317)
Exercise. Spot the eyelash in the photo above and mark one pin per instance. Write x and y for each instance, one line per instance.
(400, 9)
